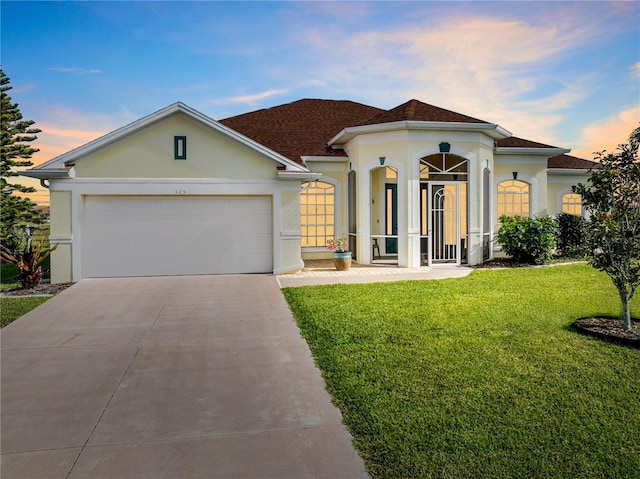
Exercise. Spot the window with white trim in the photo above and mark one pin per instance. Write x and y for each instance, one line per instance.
(317, 213)
(572, 204)
(514, 198)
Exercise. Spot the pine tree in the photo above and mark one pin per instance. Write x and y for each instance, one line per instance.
(16, 211)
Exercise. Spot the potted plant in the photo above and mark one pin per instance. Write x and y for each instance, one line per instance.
(341, 257)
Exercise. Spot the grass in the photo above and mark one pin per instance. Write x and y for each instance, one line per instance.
(479, 377)
(12, 308)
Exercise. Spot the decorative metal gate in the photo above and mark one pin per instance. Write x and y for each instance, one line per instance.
(443, 204)
(446, 243)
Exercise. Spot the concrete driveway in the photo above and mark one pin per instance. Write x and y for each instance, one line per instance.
(174, 377)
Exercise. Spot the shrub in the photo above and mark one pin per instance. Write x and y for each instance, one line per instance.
(528, 240)
(571, 238)
(28, 261)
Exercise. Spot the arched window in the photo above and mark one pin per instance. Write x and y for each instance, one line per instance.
(317, 213)
(572, 204)
(513, 198)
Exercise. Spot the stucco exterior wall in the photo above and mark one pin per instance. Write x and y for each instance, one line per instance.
(335, 173)
(532, 170)
(557, 185)
(61, 233)
(290, 239)
(150, 154)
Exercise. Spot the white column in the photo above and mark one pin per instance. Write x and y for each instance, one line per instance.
(363, 215)
(412, 181)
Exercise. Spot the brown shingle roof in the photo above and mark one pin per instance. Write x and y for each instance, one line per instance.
(301, 128)
(571, 162)
(304, 127)
(515, 142)
(415, 110)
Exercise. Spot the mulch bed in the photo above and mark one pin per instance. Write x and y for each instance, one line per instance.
(499, 263)
(41, 289)
(611, 329)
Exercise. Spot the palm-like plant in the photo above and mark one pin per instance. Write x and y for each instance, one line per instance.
(29, 261)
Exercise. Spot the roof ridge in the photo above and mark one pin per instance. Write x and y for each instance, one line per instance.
(416, 110)
(410, 109)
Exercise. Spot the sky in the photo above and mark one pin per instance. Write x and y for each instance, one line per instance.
(561, 73)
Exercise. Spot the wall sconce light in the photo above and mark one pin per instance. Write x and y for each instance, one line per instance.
(382, 158)
(515, 175)
(180, 147)
(455, 177)
(444, 147)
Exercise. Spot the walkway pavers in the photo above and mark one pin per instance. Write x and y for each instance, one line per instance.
(318, 272)
(177, 377)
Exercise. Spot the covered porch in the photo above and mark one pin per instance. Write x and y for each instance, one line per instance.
(430, 210)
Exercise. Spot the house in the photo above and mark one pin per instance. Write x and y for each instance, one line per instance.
(178, 193)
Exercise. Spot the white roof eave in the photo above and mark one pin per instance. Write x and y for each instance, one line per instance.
(299, 175)
(325, 159)
(493, 130)
(48, 173)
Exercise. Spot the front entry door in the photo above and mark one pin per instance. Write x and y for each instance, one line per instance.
(391, 217)
(446, 244)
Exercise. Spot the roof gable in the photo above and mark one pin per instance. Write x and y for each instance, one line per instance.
(415, 110)
(151, 153)
(77, 154)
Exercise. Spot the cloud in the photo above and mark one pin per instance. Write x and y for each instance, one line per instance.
(64, 129)
(490, 67)
(249, 99)
(76, 70)
(60, 134)
(608, 133)
(55, 140)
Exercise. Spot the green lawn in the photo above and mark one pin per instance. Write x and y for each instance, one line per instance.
(479, 377)
(12, 308)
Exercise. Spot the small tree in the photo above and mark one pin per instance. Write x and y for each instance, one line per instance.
(612, 197)
(17, 212)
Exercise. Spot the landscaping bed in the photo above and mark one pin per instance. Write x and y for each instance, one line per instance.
(610, 328)
(41, 289)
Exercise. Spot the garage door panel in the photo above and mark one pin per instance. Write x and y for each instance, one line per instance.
(149, 236)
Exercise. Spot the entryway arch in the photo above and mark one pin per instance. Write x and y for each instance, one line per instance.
(444, 192)
(384, 217)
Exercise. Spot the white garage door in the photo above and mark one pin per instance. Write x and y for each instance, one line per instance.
(176, 235)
